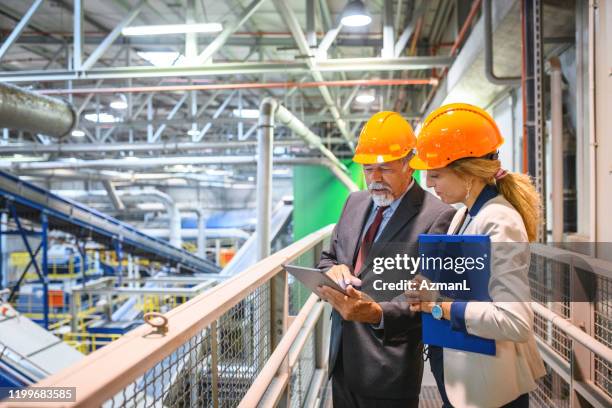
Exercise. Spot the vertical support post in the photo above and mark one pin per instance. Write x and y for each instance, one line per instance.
(311, 33)
(279, 310)
(201, 234)
(265, 136)
(217, 251)
(3, 253)
(150, 119)
(556, 109)
(582, 286)
(44, 268)
(388, 31)
(119, 254)
(214, 363)
(77, 53)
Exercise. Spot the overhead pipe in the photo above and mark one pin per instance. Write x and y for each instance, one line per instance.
(249, 85)
(233, 68)
(29, 111)
(37, 148)
(489, 65)
(201, 238)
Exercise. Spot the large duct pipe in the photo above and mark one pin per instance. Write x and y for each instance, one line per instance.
(103, 175)
(29, 111)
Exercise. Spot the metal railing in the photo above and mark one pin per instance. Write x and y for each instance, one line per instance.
(235, 344)
(573, 325)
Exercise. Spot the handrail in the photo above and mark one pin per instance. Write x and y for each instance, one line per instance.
(104, 373)
(574, 332)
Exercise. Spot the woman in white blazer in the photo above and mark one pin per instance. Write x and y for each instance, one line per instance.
(457, 145)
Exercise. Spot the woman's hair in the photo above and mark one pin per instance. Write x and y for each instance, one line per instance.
(517, 188)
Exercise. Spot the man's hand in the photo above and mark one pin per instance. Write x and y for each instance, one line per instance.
(341, 274)
(357, 306)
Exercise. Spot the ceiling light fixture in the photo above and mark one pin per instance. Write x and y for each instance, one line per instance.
(365, 98)
(355, 14)
(166, 29)
(101, 118)
(78, 133)
(119, 104)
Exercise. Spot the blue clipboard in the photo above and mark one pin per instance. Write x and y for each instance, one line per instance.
(439, 332)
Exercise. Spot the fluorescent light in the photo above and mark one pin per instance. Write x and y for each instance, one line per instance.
(78, 133)
(246, 113)
(193, 132)
(365, 98)
(163, 59)
(102, 118)
(165, 29)
(355, 14)
(119, 104)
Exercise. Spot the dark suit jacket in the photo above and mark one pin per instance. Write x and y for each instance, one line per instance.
(382, 363)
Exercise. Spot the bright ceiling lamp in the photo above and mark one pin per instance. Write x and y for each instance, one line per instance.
(165, 29)
(163, 59)
(355, 14)
(246, 113)
(78, 133)
(119, 104)
(364, 98)
(193, 132)
(101, 118)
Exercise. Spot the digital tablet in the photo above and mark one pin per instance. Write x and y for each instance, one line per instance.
(313, 278)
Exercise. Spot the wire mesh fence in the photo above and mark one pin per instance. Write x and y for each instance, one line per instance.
(214, 368)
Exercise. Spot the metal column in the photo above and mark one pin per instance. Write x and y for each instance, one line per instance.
(265, 136)
(534, 94)
(45, 268)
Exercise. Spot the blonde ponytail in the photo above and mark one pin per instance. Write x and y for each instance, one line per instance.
(517, 188)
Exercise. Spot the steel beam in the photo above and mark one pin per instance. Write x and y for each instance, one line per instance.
(10, 40)
(229, 29)
(77, 55)
(232, 69)
(112, 36)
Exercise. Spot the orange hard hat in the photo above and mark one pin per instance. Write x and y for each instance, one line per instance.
(386, 137)
(453, 132)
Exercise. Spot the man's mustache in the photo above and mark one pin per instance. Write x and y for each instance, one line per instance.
(379, 186)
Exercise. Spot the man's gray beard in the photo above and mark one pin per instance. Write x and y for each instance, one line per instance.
(382, 201)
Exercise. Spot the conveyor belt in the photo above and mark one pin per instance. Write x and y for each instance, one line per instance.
(69, 216)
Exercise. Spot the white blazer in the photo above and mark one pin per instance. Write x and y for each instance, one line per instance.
(478, 380)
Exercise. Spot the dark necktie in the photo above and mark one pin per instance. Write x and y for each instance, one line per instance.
(368, 240)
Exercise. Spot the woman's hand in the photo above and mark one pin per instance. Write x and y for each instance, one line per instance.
(421, 300)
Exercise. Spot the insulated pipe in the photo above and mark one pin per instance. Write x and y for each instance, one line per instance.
(29, 111)
(282, 114)
(265, 138)
(34, 148)
(489, 66)
(252, 85)
(556, 112)
(201, 239)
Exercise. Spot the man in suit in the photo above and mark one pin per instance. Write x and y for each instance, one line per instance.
(375, 356)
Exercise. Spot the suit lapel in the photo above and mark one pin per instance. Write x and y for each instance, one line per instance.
(362, 211)
(407, 209)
